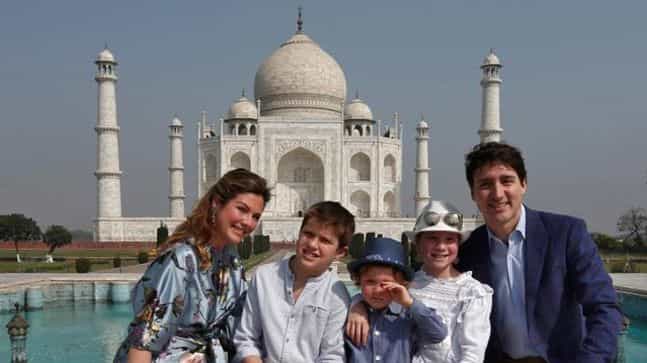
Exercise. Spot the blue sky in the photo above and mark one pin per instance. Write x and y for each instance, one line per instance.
(573, 96)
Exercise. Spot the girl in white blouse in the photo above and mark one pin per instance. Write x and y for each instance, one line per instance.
(462, 302)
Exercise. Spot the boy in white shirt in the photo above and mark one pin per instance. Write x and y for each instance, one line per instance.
(296, 308)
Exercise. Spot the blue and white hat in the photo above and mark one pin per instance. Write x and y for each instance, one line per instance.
(383, 251)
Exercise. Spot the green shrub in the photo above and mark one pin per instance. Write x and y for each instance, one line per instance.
(369, 237)
(245, 248)
(268, 244)
(356, 248)
(162, 234)
(82, 265)
(116, 262)
(258, 244)
(404, 238)
(142, 257)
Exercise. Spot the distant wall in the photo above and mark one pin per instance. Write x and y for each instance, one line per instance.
(39, 245)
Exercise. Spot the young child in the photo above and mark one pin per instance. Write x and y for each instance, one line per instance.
(296, 308)
(462, 301)
(382, 276)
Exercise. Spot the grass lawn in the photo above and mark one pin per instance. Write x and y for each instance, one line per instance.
(256, 259)
(57, 266)
(101, 260)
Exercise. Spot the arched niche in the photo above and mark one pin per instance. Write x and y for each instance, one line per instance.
(360, 167)
(390, 209)
(360, 204)
(389, 170)
(240, 160)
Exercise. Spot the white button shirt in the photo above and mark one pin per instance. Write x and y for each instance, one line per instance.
(279, 329)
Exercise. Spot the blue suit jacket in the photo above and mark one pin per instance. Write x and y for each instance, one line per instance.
(571, 305)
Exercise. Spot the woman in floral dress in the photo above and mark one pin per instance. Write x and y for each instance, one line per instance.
(190, 298)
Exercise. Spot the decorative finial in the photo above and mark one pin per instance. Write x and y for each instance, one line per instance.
(300, 21)
(422, 116)
(356, 94)
(105, 46)
(491, 50)
(243, 93)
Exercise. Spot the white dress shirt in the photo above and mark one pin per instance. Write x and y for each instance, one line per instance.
(279, 329)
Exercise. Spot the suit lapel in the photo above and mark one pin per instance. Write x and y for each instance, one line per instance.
(483, 269)
(534, 253)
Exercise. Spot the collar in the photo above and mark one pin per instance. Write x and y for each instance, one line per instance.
(520, 228)
(290, 274)
(392, 309)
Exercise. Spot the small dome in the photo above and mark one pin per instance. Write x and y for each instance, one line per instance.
(491, 59)
(105, 56)
(300, 77)
(242, 109)
(422, 124)
(357, 110)
(176, 121)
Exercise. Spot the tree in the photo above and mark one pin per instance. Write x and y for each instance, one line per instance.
(633, 223)
(56, 236)
(16, 227)
(604, 242)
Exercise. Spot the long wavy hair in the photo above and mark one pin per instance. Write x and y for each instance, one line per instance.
(198, 228)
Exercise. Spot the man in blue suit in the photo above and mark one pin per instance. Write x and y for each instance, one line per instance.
(553, 300)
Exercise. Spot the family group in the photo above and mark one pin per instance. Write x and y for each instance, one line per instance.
(527, 286)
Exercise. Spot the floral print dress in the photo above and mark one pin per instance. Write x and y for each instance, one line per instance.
(183, 313)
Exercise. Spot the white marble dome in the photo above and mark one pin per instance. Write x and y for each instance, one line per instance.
(357, 110)
(491, 59)
(242, 109)
(176, 121)
(300, 78)
(105, 56)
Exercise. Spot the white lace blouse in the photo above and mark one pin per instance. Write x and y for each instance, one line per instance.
(464, 304)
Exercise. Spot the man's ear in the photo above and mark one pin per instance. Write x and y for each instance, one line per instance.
(342, 252)
(524, 185)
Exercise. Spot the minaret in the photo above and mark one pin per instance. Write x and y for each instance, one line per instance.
(422, 170)
(490, 110)
(176, 170)
(107, 173)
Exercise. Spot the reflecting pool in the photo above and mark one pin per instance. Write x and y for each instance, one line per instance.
(87, 332)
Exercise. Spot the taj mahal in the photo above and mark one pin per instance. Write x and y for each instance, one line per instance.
(300, 132)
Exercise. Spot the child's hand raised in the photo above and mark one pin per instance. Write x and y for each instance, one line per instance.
(398, 293)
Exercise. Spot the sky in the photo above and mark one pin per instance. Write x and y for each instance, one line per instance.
(573, 94)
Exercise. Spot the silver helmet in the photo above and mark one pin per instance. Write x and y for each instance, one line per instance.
(439, 216)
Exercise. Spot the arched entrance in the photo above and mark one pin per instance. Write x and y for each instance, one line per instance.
(300, 182)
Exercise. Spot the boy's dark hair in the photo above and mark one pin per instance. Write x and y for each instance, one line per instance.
(493, 153)
(335, 215)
